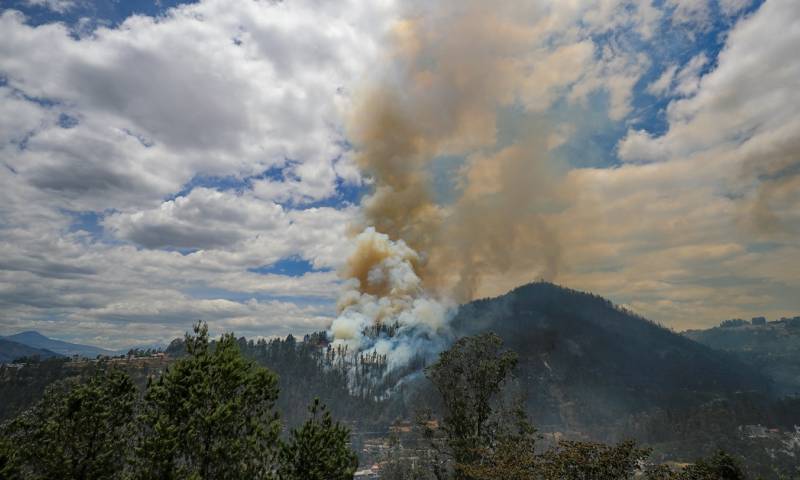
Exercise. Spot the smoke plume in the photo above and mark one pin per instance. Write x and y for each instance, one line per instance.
(455, 209)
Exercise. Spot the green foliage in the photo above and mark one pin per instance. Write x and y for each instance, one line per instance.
(318, 450)
(719, 466)
(9, 468)
(76, 431)
(307, 369)
(211, 415)
(23, 386)
(488, 441)
(468, 377)
(591, 461)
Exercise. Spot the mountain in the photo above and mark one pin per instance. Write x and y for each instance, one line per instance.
(10, 351)
(37, 340)
(585, 362)
(771, 347)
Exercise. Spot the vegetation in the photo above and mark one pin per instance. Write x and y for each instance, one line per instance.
(308, 369)
(76, 431)
(481, 437)
(469, 378)
(575, 376)
(318, 449)
(211, 415)
(771, 347)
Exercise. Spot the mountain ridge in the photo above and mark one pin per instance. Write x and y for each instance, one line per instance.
(35, 339)
(11, 350)
(583, 359)
(771, 347)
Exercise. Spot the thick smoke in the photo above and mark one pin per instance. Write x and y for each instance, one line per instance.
(456, 210)
(387, 310)
(773, 210)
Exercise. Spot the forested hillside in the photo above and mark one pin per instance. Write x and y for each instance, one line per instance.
(586, 363)
(585, 369)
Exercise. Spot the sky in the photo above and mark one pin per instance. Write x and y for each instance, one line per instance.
(168, 162)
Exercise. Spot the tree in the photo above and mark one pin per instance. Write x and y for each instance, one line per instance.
(318, 450)
(512, 455)
(591, 461)
(211, 415)
(489, 439)
(469, 378)
(76, 431)
(9, 470)
(720, 466)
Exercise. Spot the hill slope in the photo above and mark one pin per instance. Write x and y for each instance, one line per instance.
(37, 340)
(773, 348)
(9, 351)
(585, 362)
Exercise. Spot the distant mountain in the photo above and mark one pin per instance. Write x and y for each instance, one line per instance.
(771, 347)
(37, 340)
(10, 351)
(584, 361)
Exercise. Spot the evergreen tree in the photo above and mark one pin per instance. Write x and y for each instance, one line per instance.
(209, 416)
(76, 431)
(318, 450)
(469, 378)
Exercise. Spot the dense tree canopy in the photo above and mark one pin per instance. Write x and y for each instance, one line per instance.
(211, 415)
(76, 431)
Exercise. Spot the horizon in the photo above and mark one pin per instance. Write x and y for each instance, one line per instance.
(163, 343)
(173, 162)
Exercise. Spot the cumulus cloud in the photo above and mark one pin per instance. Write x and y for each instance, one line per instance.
(153, 172)
(155, 107)
(58, 6)
(703, 223)
(112, 125)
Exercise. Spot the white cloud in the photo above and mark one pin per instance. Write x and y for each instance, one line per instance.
(707, 227)
(58, 6)
(688, 78)
(732, 7)
(211, 89)
(662, 85)
(691, 12)
(122, 118)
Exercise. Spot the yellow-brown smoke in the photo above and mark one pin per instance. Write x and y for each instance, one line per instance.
(452, 72)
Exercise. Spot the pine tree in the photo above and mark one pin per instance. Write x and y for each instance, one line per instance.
(210, 416)
(318, 450)
(76, 431)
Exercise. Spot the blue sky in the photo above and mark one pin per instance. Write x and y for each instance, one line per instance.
(75, 12)
(197, 160)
